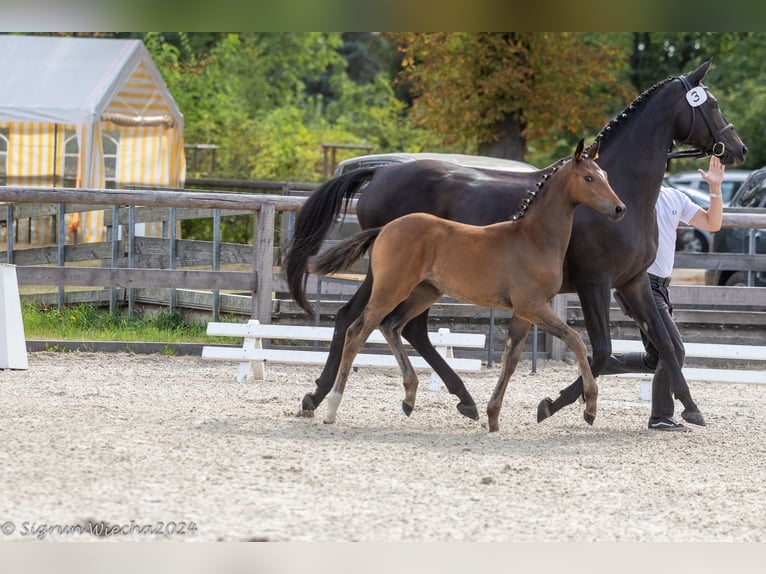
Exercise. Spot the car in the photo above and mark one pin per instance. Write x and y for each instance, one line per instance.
(692, 239)
(751, 195)
(480, 161)
(348, 224)
(733, 178)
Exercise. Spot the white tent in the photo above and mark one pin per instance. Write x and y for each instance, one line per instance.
(93, 89)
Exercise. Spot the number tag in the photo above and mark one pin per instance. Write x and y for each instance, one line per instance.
(696, 96)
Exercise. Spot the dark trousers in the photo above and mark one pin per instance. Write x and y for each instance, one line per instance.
(649, 361)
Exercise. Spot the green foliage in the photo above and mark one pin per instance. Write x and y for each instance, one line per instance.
(257, 96)
(270, 100)
(89, 323)
(501, 90)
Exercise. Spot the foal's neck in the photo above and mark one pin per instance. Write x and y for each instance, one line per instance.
(552, 209)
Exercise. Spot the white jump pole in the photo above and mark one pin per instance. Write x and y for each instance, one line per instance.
(13, 345)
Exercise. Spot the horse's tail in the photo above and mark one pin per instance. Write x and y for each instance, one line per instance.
(342, 255)
(312, 225)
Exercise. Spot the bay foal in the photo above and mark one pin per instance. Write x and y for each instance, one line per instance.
(514, 264)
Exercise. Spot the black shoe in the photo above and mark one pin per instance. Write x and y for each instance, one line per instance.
(666, 424)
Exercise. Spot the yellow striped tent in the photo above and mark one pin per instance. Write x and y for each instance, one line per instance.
(88, 112)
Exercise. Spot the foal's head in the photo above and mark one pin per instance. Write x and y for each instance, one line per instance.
(585, 182)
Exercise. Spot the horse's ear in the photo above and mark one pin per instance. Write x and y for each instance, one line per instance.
(578, 151)
(593, 150)
(696, 76)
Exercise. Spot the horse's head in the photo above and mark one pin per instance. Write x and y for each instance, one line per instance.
(587, 183)
(700, 123)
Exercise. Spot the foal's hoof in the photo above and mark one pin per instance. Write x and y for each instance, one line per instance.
(469, 411)
(694, 417)
(589, 418)
(544, 409)
(406, 408)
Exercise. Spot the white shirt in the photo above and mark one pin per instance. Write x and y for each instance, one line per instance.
(673, 207)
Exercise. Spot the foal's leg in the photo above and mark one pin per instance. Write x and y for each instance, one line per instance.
(416, 332)
(356, 336)
(421, 298)
(547, 320)
(393, 336)
(390, 289)
(345, 316)
(518, 329)
(595, 301)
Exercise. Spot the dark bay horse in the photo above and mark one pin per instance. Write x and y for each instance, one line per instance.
(417, 258)
(634, 149)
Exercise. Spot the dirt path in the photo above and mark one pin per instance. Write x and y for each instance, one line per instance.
(143, 442)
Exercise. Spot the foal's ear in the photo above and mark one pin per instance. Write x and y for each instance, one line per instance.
(578, 151)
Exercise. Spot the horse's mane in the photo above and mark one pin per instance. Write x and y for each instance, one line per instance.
(610, 128)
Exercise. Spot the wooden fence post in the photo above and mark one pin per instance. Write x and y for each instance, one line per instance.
(556, 345)
(263, 264)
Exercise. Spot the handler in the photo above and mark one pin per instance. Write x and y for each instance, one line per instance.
(672, 208)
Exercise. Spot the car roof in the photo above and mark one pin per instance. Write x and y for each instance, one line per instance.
(730, 174)
(465, 160)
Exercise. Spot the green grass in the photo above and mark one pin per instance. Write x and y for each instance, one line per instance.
(89, 323)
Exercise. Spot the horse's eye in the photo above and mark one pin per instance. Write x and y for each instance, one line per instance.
(588, 178)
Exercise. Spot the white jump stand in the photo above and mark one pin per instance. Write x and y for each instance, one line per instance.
(13, 345)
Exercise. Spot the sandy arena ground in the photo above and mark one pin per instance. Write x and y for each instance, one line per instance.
(153, 447)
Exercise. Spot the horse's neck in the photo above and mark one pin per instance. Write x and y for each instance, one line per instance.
(634, 154)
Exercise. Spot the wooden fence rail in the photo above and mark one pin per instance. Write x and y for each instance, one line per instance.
(153, 262)
(258, 282)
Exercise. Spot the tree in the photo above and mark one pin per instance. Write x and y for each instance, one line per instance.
(496, 92)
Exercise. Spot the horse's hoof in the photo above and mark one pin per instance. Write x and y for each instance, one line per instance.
(589, 418)
(304, 413)
(406, 408)
(694, 417)
(544, 409)
(469, 411)
(308, 403)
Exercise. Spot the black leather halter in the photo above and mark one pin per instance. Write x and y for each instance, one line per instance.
(718, 148)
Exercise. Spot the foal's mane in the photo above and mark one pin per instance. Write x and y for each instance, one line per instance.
(545, 174)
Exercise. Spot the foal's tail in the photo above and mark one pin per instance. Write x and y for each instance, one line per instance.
(342, 255)
(312, 225)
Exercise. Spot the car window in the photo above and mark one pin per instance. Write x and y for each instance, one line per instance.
(751, 193)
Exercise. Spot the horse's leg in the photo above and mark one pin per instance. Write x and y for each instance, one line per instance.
(638, 296)
(547, 320)
(594, 301)
(350, 311)
(639, 362)
(662, 333)
(518, 329)
(416, 332)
